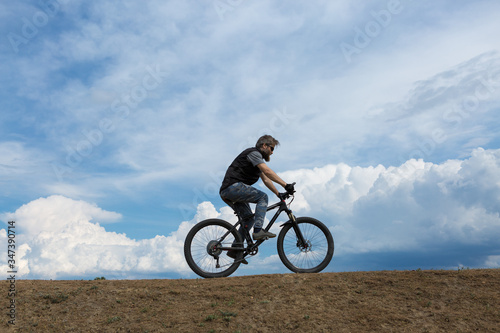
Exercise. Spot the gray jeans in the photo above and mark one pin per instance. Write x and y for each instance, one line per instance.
(239, 195)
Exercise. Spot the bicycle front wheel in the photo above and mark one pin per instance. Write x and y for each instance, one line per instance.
(309, 257)
(202, 248)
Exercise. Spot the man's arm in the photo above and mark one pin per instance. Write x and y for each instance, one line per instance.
(268, 176)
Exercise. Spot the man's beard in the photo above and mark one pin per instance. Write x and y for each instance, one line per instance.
(265, 156)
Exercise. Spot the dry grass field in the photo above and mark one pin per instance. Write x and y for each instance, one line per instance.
(387, 301)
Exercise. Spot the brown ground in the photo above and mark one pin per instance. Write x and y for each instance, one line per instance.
(389, 301)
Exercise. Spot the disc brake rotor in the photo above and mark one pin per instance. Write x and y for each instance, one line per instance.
(307, 247)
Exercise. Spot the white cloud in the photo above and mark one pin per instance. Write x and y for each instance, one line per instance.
(223, 79)
(21, 167)
(493, 262)
(17, 159)
(417, 206)
(58, 237)
(56, 213)
(220, 72)
(410, 207)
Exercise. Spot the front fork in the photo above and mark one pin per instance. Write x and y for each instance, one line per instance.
(301, 241)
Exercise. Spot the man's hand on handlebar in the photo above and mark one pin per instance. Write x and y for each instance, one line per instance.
(283, 196)
(290, 188)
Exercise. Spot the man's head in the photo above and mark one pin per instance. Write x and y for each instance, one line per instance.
(266, 144)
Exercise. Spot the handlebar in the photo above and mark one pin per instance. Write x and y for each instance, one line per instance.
(286, 195)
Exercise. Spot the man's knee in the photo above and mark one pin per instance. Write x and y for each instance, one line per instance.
(264, 198)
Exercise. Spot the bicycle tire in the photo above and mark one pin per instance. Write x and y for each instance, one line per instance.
(196, 248)
(312, 258)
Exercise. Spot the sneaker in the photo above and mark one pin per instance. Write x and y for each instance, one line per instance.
(263, 234)
(234, 254)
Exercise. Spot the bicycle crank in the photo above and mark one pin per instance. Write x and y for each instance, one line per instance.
(252, 251)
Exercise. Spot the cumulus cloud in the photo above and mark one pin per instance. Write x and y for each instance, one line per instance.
(58, 237)
(55, 213)
(418, 206)
(61, 237)
(493, 262)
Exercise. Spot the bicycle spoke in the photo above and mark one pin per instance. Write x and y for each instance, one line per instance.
(314, 254)
(202, 249)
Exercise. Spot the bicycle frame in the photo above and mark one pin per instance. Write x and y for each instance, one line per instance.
(253, 247)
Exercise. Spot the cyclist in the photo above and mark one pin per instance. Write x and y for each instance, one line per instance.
(237, 190)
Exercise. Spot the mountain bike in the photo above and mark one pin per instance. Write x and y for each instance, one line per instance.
(305, 245)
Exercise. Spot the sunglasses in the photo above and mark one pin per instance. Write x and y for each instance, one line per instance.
(272, 148)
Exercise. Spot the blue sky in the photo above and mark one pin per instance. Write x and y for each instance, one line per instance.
(118, 120)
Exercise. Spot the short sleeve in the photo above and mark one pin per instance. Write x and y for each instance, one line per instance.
(255, 158)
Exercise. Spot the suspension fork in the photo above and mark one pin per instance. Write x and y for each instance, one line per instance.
(293, 221)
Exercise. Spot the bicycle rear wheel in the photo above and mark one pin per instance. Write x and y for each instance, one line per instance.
(202, 248)
(311, 257)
